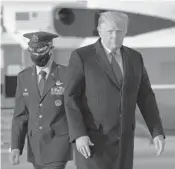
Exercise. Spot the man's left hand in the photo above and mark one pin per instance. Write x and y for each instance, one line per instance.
(159, 143)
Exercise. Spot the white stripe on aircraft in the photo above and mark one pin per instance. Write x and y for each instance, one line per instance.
(163, 86)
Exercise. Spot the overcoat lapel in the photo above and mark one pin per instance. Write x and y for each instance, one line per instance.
(102, 60)
(127, 66)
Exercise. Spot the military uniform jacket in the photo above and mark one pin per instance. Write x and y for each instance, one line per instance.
(41, 118)
(95, 102)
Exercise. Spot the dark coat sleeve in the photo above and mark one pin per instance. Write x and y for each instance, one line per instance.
(19, 121)
(147, 104)
(73, 93)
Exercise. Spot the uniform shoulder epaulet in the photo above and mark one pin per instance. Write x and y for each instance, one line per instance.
(25, 70)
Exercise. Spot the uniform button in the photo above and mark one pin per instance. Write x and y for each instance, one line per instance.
(40, 127)
(40, 116)
(40, 104)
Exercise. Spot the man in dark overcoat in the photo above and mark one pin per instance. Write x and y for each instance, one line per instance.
(104, 83)
(39, 111)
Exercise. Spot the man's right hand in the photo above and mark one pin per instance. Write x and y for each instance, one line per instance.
(14, 156)
(82, 144)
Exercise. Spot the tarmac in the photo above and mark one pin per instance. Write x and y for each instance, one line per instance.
(144, 157)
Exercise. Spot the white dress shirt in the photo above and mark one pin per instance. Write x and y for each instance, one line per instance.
(118, 56)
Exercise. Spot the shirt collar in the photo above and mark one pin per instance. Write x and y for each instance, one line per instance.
(107, 50)
(46, 68)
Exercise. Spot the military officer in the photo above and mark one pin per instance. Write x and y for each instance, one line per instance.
(39, 109)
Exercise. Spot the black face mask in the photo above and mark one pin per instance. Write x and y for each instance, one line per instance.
(40, 60)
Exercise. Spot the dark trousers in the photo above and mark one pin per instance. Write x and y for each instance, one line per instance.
(57, 166)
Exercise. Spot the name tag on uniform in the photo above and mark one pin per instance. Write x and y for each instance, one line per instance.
(25, 94)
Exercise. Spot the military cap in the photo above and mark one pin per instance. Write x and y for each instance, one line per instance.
(39, 39)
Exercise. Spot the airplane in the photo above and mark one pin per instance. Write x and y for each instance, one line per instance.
(151, 31)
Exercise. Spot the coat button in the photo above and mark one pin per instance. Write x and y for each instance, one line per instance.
(40, 127)
(40, 104)
(40, 116)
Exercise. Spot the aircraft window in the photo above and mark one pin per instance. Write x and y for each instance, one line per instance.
(22, 16)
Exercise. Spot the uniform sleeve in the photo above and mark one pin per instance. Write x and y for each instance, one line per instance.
(19, 121)
(73, 94)
(148, 106)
